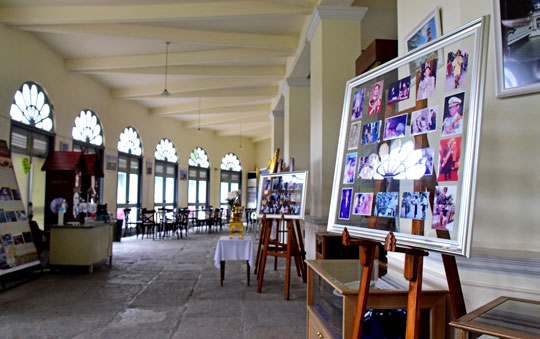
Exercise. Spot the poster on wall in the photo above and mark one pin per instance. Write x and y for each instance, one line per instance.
(412, 168)
(282, 194)
(17, 249)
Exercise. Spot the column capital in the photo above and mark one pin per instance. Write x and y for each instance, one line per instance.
(294, 82)
(334, 12)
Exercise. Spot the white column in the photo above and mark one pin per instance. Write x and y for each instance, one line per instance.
(276, 119)
(296, 136)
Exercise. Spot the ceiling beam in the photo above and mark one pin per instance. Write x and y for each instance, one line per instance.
(169, 12)
(206, 104)
(223, 110)
(262, 92)
(261, 137)
(234, 129)
(217, 71)
(287, 43)
(174, 59)
(188, 86)
(227, 119)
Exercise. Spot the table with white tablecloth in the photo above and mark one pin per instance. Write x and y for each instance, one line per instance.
(233, 249)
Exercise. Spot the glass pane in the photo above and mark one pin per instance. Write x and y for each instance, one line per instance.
(159, 168)
(169, 190)
(121, 189)
(235, 177)
(202, 192)
(224, 176)
(122, 163)
(170, 170)
(234, 186)
(192, 191)
(133, 188)
(224, 192)
(134, 165)
(158, 190)
(202, 174)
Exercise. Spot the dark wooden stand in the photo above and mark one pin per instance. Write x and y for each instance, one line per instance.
(293, 248)
(413, 272)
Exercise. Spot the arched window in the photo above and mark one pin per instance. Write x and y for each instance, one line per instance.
(231, 177)
(166, 172)
(87, 136)
(128, 194)
(32, 137)
(198, 179)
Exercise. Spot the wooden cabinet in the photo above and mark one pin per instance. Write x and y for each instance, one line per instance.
(81, 245)
(332, 294)
(329, 246)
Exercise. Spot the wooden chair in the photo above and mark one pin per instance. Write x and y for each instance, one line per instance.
(181, 222)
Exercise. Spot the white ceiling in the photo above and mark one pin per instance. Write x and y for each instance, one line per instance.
(229, 56)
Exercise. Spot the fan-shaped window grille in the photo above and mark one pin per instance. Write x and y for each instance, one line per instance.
(165, 151)
(31, 107)
(130, 142)
(231, 162)
(88, 128)
(198, 157)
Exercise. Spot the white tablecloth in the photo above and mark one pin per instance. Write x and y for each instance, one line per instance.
(234, 249)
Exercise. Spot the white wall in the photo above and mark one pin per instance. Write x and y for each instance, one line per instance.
(26, 58)
(508, 191)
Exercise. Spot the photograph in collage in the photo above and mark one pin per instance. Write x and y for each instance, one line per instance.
(444, 208)
(371, 133)
(456, 68)
(354, 135)
(449, 153)
(358, 104)
(386, 204)
(414, 205)
(453, 114)
(375, 98)
(367, 166)
(345, 205)
(395, 127)
(350, 167)
(427, 73)
(424, 120)
(362, 203)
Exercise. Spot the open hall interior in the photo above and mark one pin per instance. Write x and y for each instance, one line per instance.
(185, 101)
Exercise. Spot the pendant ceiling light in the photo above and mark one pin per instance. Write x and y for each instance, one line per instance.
(240, 135)
(166, 93)
(199, 129)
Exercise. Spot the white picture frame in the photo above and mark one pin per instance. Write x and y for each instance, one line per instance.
(276, 196)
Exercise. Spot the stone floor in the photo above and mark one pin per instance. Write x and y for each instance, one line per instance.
(156, 289)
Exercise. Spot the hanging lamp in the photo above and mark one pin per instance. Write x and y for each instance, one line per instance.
(165, 92)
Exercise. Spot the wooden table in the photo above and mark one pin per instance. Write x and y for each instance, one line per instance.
(233, 249)
(504, 317)
(81, 245)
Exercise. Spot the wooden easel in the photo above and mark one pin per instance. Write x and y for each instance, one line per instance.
(414, 258)
(293, 248)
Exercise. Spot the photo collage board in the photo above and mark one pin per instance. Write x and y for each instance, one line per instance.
(407, 147)
(17, 249)
(282, 194)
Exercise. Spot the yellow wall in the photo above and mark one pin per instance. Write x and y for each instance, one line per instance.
(26, 58)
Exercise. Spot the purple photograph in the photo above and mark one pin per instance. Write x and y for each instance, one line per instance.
(395, 127)
(358, 104)
(424, 120)
(345, 206)
(371, 133)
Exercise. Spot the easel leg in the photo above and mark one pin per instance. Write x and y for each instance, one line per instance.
(221, 272)
(260, 274)
(259, 248)
(247, 265)
(367, 253)
(302, 250)
(288, 261)
(413, 273)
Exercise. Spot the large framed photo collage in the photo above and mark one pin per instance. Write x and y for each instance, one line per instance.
(408, 146)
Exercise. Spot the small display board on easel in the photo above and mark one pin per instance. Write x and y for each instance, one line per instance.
(407, 160)
(17, 248)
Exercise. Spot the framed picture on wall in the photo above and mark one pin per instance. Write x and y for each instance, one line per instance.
(282, 194)
(517, 46)
(417, 177)
(427, 30)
